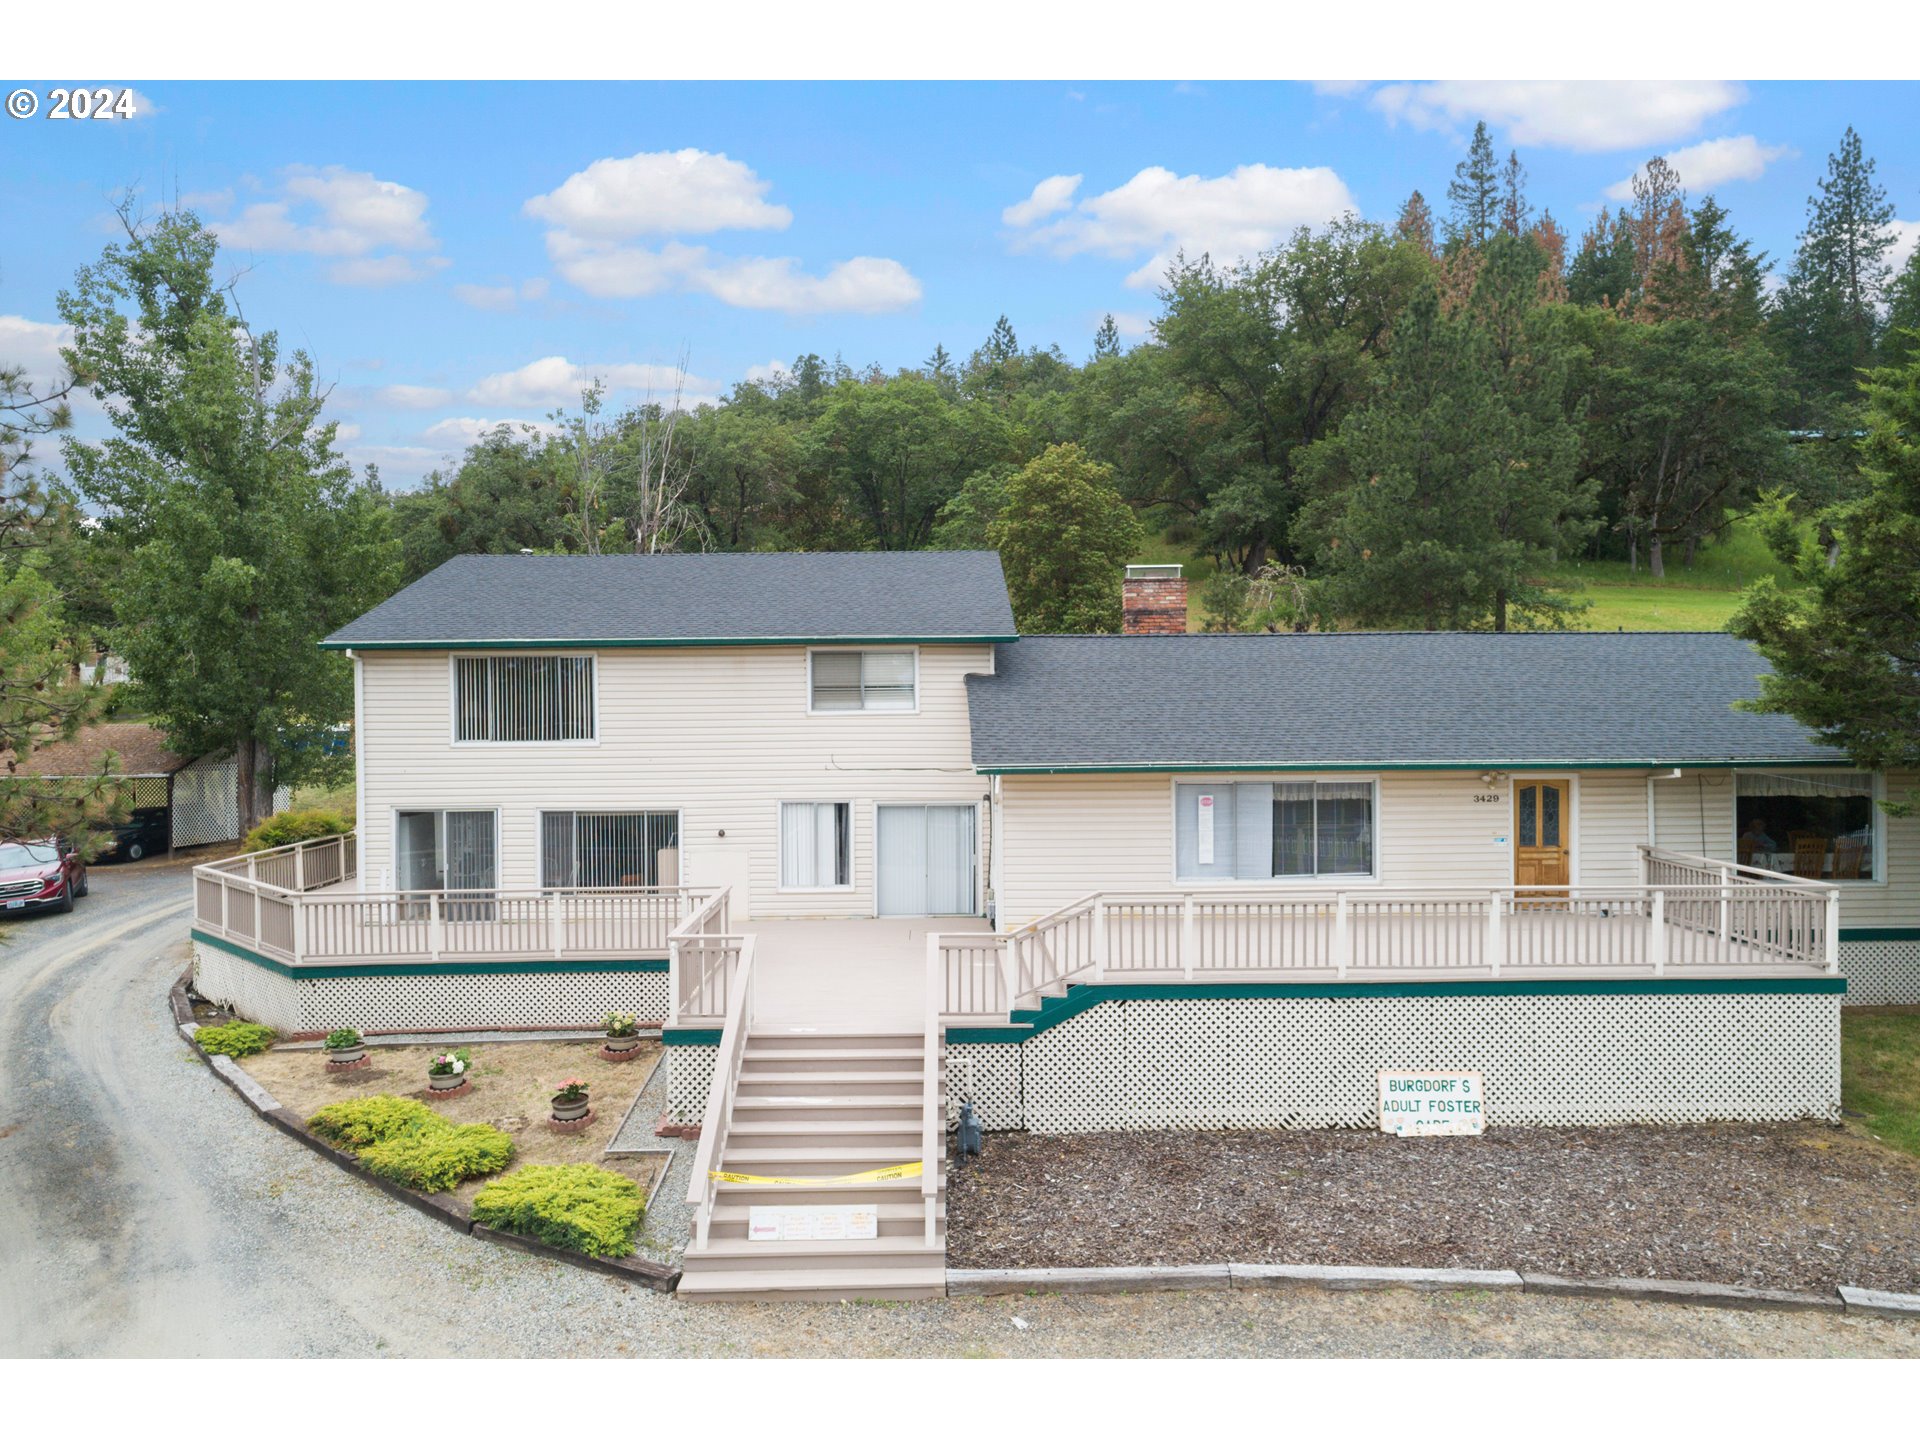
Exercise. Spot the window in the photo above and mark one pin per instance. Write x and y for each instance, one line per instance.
(816, 846)
(445, 849)
(582, 849)
(523, 698)
(864, 680)
(1287, 829)
(1816, 826)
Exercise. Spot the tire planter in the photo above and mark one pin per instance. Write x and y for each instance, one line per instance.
(346, 1056)
(570, 1110)
(569, 1127)
(621, 1047)
(445, 1087)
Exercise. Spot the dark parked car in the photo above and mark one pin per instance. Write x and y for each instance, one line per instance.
(145, 833)
(40, 874)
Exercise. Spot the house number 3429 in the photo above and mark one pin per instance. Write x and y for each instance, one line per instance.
(1488, 797)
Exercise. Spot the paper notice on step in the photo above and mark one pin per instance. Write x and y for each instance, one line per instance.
(813, 1222)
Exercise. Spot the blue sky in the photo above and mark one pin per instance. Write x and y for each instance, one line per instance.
(459, 253)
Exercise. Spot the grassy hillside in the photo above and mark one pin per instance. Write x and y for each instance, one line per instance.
(1701, 598)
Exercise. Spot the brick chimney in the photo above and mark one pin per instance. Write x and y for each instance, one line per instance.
(1153, 601)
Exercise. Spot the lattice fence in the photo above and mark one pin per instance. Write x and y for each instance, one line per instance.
(1881, 972)
(689, 1077)
(427, 1002)
(1313, 1062)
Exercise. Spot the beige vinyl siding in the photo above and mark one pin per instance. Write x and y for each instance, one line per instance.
(1612, 810)
(721, 735)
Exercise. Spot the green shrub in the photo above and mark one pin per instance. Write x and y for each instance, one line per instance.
(439, 1157)
(293, 825)
(405, 1141)
(345, 1038)
(357, 1124)
(238, 1038)
(576, 1207)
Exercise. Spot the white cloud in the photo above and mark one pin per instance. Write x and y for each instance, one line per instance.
(555, 380)
(404, 462)
(411, 397)
(1049, 197)
(1711, 163)
(1229, 216)
(1339, 88)
(34, 346)
(1574, 114)
(663, 192)
(345, 432)
(502, 297)
(372, 228)
(1906, 237)
(595, 217)
(774, 372)
(465, 430)
(1132, 324)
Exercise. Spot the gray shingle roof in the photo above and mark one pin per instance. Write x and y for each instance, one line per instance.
(1141, 701)
(669, 599)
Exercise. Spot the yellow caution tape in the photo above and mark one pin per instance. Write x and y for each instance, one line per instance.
(888, 1172)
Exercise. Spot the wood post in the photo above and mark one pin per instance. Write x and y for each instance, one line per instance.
(556, 922)
(1099, 939)
(1833, 932)
(1657, 936)
(1342, 936)
(1496, 933)
(1189, 942)
(435, 938)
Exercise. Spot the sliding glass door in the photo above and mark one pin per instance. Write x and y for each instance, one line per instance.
(447, 850)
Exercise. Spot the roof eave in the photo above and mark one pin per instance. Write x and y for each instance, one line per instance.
(334, 642)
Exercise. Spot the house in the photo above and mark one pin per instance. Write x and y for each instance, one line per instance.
(172, 800)
(868, 853)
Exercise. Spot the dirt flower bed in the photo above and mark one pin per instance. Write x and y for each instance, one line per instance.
(513, 1085)
(1790, 1207)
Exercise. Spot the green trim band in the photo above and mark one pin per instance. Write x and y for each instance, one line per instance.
(673, 644)
(304, 971)
(1881, 932)
(1233, 768)
(689, 1037)
(1080, 998)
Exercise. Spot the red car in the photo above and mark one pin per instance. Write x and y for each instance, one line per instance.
(36, 874)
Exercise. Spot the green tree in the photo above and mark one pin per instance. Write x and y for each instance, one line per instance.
(1473, 197)
(1845, 650)
(502, 497)
(1441, 501)
(1106, 340)
(1064, 536)
(245, 536)
(1900, 342)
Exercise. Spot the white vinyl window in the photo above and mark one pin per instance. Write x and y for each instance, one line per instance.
(816, 845)
(1260, 830)
(845, 680)
(602, 849)
(523, 698)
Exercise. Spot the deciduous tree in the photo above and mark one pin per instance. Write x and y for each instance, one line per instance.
(1064, 535)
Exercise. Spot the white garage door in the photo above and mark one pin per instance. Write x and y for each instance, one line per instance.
(926, 860)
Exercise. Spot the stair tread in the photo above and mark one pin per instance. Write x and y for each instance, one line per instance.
(888, 1209)
(905, 1277)
(731, 1247)
(852, 1102)
(829, 1077)
(904, 1126)
(726, 1188)
(879, 1155)
(914, 1052)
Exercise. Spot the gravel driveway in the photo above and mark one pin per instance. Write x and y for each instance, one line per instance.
(149, 1213)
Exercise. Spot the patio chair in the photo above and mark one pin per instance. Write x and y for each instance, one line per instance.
(1809, 857)
(1849, 857)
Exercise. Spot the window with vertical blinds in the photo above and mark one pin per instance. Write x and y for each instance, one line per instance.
(1259, 830)
(816, 845)
(523, 698)
(597, 849)
(863, 680)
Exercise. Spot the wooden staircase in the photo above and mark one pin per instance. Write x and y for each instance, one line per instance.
(806, 1104)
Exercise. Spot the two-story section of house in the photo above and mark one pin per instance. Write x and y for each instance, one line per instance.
(790, 727)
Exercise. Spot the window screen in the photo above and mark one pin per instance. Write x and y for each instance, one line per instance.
(1256, 830)
(1814, 826)
(863, 680)
(523, 697)
(599, 849)
(816, 845)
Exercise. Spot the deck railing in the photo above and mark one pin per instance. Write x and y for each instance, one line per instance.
(295, 904)
(1697, 916)
(736, 1019)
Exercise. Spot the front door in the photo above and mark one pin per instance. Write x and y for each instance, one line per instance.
(926, 859)
(1542, 832)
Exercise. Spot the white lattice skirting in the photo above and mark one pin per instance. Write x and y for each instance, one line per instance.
(449, 1001)
(1312, 1062)
(1881, 972)
(689, 1077)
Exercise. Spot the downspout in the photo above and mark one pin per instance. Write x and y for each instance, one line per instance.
(359, 772)
(995, 846)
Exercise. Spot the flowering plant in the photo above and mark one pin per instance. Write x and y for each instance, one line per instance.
(571, 1092)
(620, 1024)
(454, 1062)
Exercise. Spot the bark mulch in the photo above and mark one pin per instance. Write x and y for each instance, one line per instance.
(1787, 1207)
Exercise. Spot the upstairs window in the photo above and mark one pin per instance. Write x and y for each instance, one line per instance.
(523, 698)
(844, 680)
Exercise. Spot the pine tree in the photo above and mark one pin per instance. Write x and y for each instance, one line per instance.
(1002, 345)
(1415, 224)
(1515, 213)
(939, 366)
(1715, 277)
(1658, 225)
(1474, 196)
(1106, 340)
(1900, 343)
(1602, 273)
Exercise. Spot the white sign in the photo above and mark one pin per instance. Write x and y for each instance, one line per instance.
(1205, 831)
(813, 1222)
(1432, 1102)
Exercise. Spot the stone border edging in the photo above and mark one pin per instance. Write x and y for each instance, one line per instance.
(438, 1207)
(1098, 1280)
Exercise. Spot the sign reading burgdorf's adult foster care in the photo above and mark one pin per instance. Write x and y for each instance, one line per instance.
(1432, 1102)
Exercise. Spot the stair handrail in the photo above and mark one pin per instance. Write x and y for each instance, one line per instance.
(932, 1123)
(701, 1188)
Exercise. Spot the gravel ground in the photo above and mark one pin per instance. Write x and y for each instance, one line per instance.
(1789, 1207)
(150, 1213)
